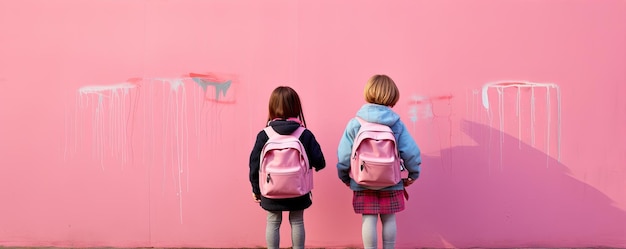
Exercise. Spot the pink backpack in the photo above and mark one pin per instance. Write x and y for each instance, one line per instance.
(284, 171)
(375, 161)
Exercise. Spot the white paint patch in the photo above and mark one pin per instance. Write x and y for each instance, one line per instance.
(421, 108)
(107, 88)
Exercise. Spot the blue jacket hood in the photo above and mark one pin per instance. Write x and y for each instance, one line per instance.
(378, 114)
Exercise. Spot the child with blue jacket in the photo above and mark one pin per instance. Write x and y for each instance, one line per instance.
(381, 94)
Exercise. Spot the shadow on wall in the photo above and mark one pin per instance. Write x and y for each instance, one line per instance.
(525, 199)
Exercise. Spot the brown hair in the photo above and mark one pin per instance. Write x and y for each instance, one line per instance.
(285, 103)
(380, 89)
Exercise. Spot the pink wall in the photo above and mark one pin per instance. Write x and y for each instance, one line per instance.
(91, 158)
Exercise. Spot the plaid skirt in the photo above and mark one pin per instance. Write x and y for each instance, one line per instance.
(378, 202)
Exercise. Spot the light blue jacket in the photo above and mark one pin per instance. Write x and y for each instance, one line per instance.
(409, 151)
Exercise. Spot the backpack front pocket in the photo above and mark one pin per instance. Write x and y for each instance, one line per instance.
(377, 174)
(286, 183)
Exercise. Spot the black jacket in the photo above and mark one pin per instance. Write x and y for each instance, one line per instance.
(314, 153)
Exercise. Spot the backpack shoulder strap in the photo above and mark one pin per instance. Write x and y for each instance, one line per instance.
(366, 125)
(361, 121)
(298, 132)
(270, 132)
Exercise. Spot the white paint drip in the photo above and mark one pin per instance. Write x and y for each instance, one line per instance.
(111, 110)
(501, 116)
(501, 85)
(176, 130)
(519, 118)
(548, 129)
(532, 116)
(114, 115)
(475, 96)
(558, 135)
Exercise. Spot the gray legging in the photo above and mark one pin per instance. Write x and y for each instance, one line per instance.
(272, 231)
(369, 234)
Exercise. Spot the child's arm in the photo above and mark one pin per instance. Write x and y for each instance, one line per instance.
(344, 152)
(409, 152)
(254, 162)
(314, 152)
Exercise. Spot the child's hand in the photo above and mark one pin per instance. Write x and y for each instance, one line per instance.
(407, 182)
(256, 197)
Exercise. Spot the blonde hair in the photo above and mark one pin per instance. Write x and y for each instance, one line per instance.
(380, 89)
